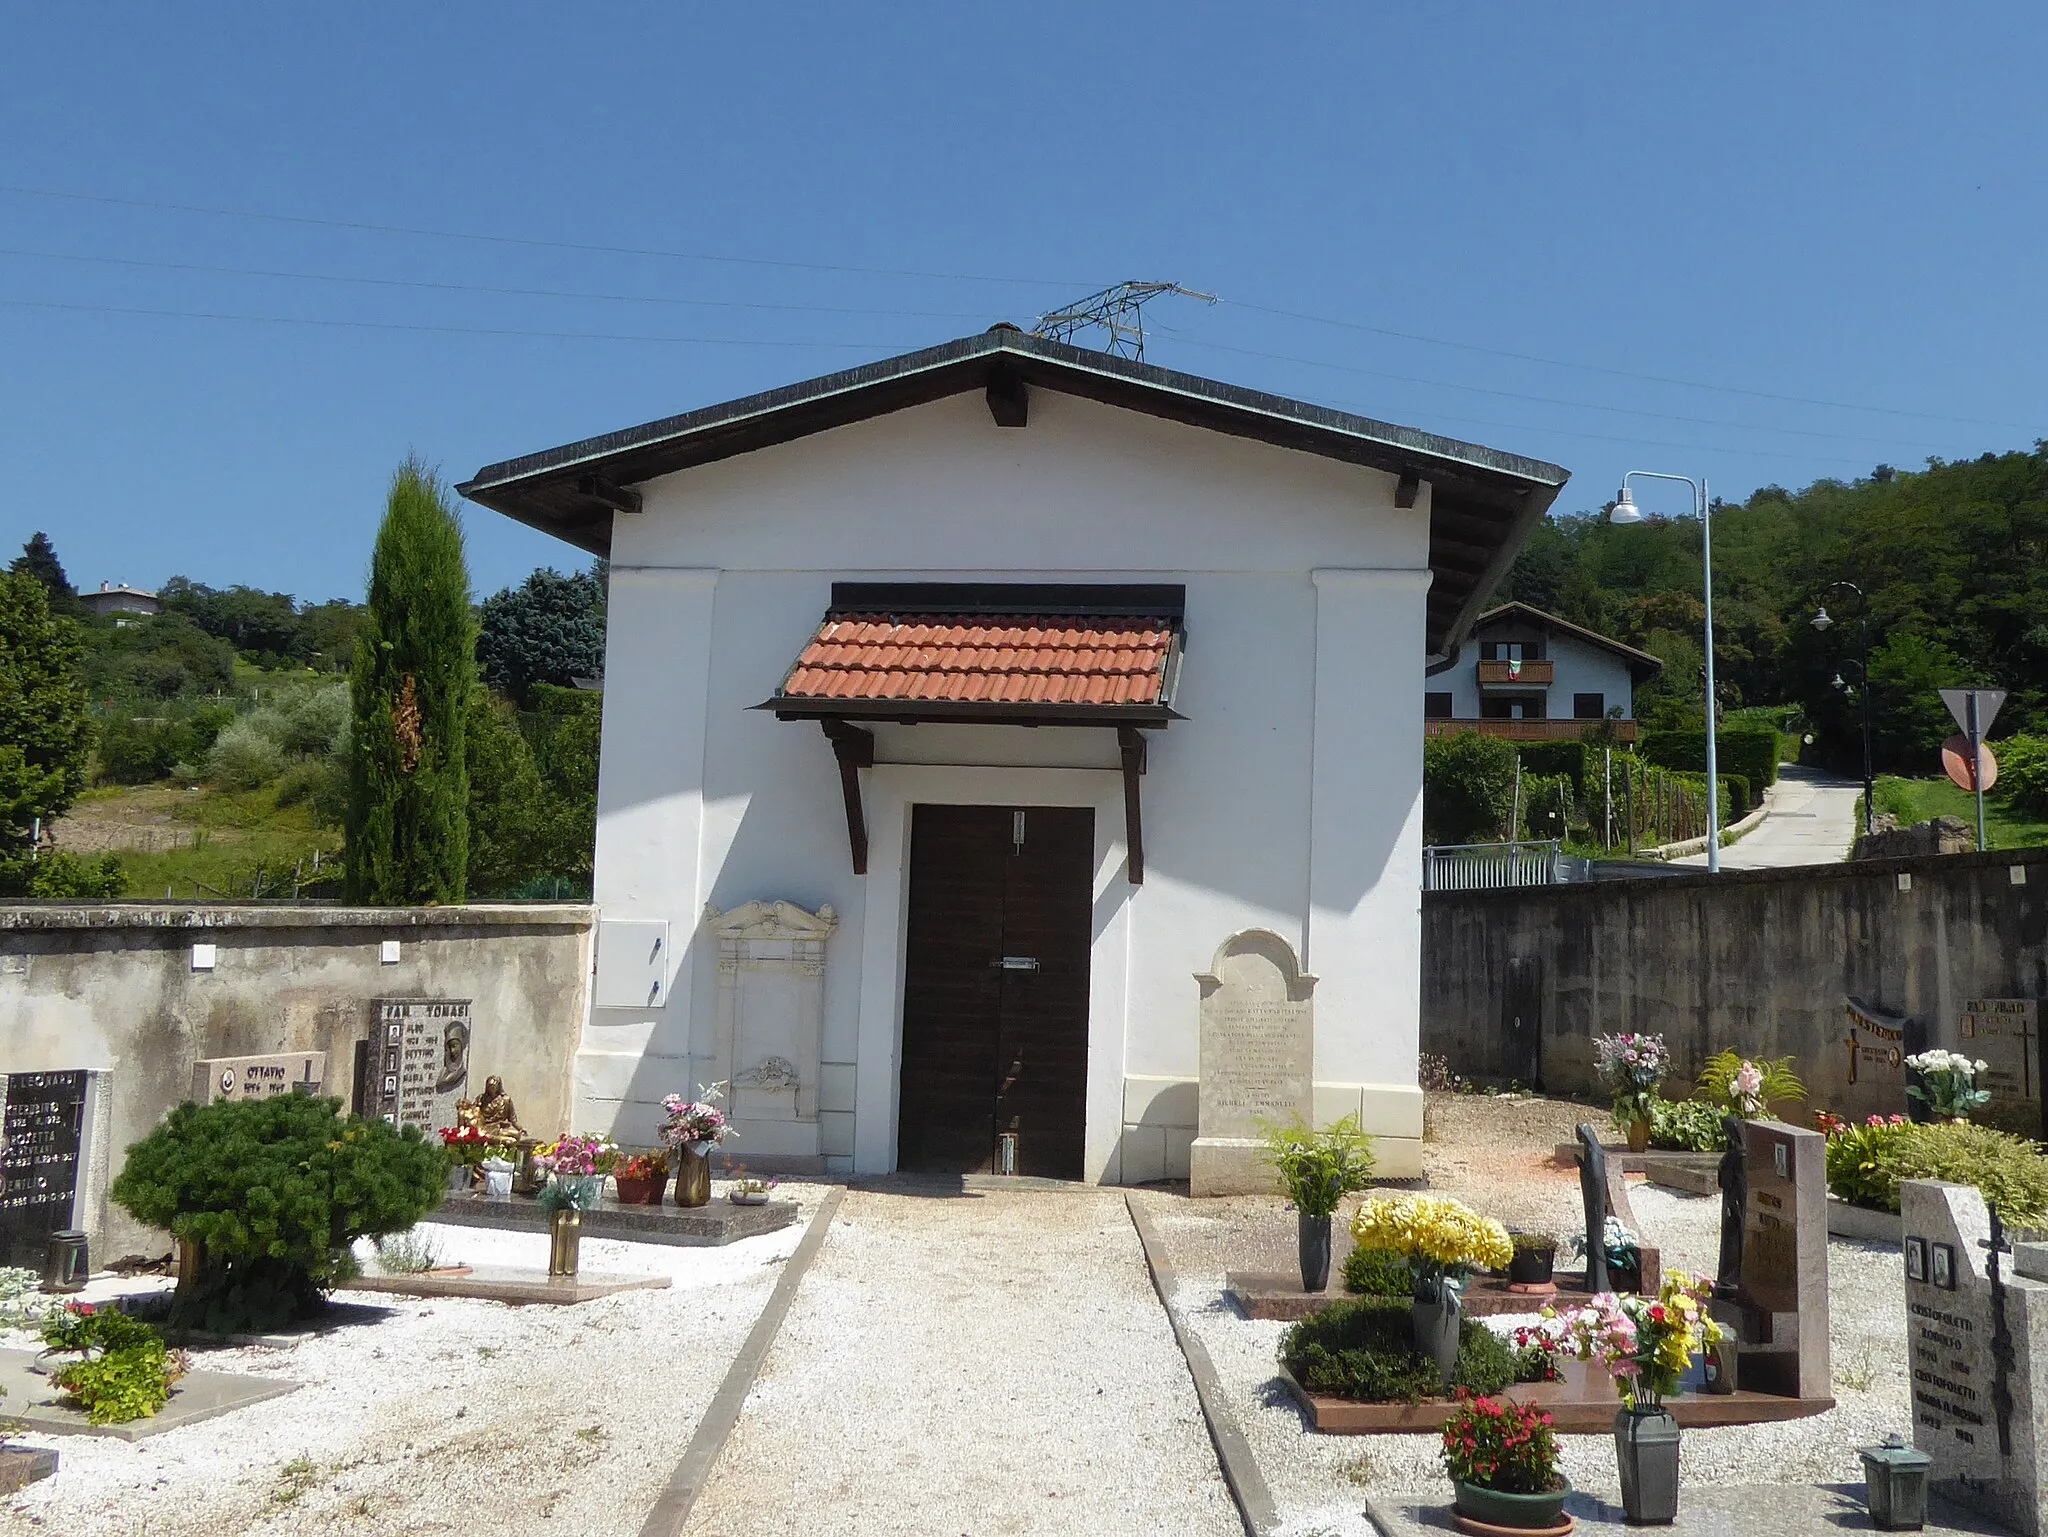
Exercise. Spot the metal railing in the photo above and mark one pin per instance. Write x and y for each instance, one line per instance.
(1492, 866)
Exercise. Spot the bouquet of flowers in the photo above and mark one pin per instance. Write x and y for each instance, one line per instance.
(1645, 1343)
(1633, 1065)
(576, 1157)
(1444, 1240)
(1948, 1084)
(1745, 1088)
(465, 1145)
(1616, 1241)
(1508, 1447)
(1537, 1348)
(644, 1165)
(697, 1125)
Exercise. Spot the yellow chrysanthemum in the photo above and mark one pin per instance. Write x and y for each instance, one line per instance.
(1434, 1228)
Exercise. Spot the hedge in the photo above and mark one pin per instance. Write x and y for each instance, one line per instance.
(1751, 751)
(1554, 758)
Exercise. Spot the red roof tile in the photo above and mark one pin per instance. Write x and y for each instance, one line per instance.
(985, 658)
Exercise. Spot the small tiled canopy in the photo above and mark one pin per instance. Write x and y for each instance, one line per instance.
(1000, 654)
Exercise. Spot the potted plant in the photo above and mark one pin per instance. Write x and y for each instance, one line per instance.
(1444, 1241)
(1502, 1459)
(466, 1147)
(747, 1190)
(694, 1128)
(1624, 1254)
(1740, 1087)
(642, 1178)
(1946, 1083)
(1633, 1066)
(1646, 1343)
(1317, 1169)
(1535, 1257)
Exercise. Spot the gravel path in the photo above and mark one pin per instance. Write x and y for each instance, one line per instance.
(987, 1362)
(1321, 1483)
(443, 1416)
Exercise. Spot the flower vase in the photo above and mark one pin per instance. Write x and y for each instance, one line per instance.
(1312, 1247)
(1639, 1135)
(1436, 1320)
(693, 1176)
(1646, 1452)
(458, 1179)
(582, 1190)
(565, 1241)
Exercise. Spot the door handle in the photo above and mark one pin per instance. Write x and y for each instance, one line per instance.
(1015, 963)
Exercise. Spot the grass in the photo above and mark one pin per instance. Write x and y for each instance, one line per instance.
(294, 1480)
(238, 834)
(1922, 800)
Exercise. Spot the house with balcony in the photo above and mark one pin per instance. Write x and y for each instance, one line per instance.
(1533, 677)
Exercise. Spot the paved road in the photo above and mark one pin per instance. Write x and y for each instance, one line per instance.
(1812, 822)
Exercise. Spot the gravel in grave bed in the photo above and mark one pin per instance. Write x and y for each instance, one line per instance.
(1320, 1482)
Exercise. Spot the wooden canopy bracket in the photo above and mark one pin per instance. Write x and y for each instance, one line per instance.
(618, 498)
(1008, 399)
(855, 750)
(1130, 742)
(1405, 490)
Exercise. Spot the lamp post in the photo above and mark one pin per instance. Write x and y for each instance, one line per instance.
(1821, 621)
(1626, 511)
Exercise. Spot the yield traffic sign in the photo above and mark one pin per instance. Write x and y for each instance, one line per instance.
(1958, 702)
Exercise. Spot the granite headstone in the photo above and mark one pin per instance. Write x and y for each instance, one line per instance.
(419, 1061)
(2004, 1034)
(1257, 1059)
(41, 1161)
(1783, 1294)
(258, 1077)
(1979, 1418)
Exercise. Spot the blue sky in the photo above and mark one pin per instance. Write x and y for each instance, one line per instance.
(1763, 243)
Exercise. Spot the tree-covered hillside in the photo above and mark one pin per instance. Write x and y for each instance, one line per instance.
(1954, 559)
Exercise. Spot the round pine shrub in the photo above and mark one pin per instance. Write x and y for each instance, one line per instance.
(273, 1192)
(1365, 1349)
(1378, 1273)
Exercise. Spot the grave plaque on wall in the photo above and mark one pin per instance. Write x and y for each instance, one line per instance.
(39, 1168)
(419, 1061)
(283, 1072)
(2002, 1033)
(1256, 1061)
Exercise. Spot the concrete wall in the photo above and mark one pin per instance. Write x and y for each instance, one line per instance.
(1761, 960)
(113, 989)
(1580, 669)
(1305, 609)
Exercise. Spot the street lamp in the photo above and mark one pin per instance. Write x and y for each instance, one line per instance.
(1625, 510)
(1821, 622)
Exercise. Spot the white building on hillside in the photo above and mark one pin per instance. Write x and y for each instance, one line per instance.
(1533, 677)
(960, 706)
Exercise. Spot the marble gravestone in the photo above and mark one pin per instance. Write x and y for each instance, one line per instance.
(418, 1059)
(1781, 1296)
(51, 1168)
(2004, 1034)
(1869, 1076)
(1977, 1349)
(1257, 1059)
(259, 1077)
(771, 1023)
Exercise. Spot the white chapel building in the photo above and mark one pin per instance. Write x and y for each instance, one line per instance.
(961, 707)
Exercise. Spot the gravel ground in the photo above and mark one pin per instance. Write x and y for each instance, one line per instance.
(1494, 1154)
(443, 1416)
(983, 1362)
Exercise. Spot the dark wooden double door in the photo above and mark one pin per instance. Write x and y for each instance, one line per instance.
(995, 988)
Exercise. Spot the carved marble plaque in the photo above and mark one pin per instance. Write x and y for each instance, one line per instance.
(771, 1008)
(1257, 1037)
(2003, 1034)
(283, 1072)
(419, 1056)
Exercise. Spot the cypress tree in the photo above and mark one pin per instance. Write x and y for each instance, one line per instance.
(410, 687)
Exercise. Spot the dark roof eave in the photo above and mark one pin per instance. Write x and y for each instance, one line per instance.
(963, 712)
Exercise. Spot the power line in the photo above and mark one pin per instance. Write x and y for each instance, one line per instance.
(1621, 373)
(382, 325)
(481, 288)
(527, 240)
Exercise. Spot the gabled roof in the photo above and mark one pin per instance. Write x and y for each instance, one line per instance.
(1483, 502)
(1640, 663)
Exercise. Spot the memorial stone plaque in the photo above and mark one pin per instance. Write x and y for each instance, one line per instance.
(282, 1072)
(1873, 1060)
(419, 1060)
(1783, 1292)
(44, 1127)
(1257, 1058)
(2003, 1033)
(1977, 1419)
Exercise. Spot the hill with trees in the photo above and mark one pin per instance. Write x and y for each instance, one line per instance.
(1953, 559)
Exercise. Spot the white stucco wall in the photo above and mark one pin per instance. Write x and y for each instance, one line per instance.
(1289, 799)
(1580, 669)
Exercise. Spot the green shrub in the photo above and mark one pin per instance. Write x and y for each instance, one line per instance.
(56, 876)
(1548, 804)
(1739, 802)
(1468, 785)
(2009, 1170)
(1378, 1273)
(138, 749)
(2023, 774)
(245, 756)
(1855, 1155)
(1686, 1125)
(274, 1191)
(1552, 759)
(1366, 1350)
(1318, 1169)
(122, 1385)
(1722, 1084)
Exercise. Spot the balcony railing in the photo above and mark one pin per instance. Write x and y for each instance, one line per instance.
(1540, 673)
(1532, 730)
